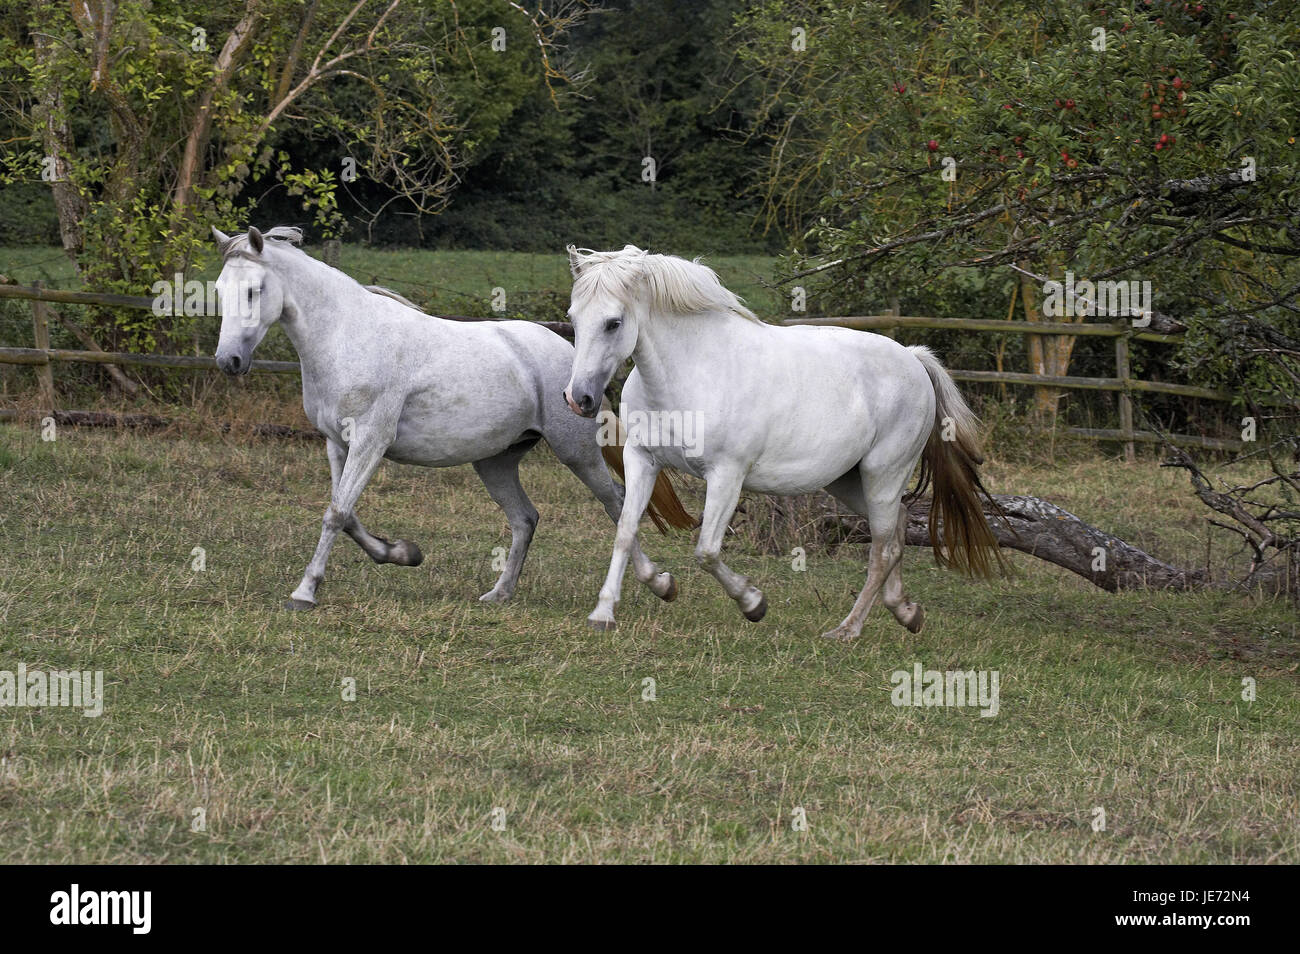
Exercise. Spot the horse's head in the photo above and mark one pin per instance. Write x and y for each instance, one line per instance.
(615, 296)
(251, 295)
(606, 321)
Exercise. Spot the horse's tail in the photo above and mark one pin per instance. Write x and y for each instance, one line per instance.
(665, 509)
(959, 533)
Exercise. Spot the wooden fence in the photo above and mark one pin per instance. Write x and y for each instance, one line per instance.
(42, 356)
(1124, 383)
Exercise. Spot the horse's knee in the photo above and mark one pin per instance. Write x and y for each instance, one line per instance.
(708, 557)
(525, 524)
(336, 519)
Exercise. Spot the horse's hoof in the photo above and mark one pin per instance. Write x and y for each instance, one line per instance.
(409, 554)
(917, 622)
(494, 596)
(758, 612)
(671, 593)
(299, 605)
(602, 625)
(840, 635)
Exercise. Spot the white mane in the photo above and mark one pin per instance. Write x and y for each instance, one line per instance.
(281, 233)
(673, 284)
(285, 236)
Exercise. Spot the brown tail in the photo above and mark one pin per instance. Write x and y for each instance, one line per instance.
(959, 533)
(665, 508)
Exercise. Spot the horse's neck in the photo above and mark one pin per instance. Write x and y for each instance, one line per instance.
(669, 348)
(316, 308)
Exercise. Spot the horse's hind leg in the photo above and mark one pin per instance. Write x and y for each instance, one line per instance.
(584, 459)
(400, 552)
(500, 475)
(910, 614)
(848, 490)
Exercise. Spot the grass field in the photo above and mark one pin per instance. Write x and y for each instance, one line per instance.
(217, 699)
(450, 282)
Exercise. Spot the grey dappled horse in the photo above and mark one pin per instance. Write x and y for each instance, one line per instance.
(381, 379)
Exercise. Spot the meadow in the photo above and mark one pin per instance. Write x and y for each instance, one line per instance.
(515, 733)
(481, 733)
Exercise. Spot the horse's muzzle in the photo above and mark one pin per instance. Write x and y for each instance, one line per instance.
(586, 405)
(234, 365)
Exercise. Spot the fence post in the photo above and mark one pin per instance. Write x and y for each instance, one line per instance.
(1125, 396)
(332, 252)
(894, 309)
(41, 332)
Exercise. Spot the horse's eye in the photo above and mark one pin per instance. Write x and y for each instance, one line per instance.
(613, 325)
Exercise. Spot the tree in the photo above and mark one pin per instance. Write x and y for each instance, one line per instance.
(658, 86)
(1150, 143)
(150, 116)
(1153, 144)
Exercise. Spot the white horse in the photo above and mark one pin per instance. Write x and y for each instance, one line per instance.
(783, 410)
(382, 379)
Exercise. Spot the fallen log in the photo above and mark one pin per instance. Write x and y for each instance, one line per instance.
(1048, 532)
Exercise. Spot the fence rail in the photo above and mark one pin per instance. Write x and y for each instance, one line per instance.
(1123, 332)
(996, 325)
(43, 356)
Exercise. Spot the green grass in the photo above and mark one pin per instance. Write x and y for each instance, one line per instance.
(452, 282)
(219, 699)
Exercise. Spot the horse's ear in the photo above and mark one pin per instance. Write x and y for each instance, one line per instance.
(575, 260)
(255, 240)
(221, 237)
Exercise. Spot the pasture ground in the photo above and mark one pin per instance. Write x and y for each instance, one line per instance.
(219, 699)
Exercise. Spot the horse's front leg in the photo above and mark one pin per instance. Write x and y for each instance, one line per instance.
(379, 549)
(721, 497)
(639, 473)
(363, 456)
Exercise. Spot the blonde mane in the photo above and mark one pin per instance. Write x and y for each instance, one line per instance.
(674, 285)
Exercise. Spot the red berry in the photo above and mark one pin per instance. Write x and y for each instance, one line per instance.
(1072, 163)
(1178, 82)
(1069, 104)
(932, 145)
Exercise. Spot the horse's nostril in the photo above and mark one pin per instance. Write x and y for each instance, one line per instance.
(234, 362)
